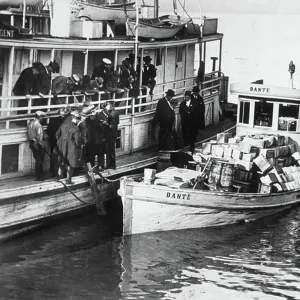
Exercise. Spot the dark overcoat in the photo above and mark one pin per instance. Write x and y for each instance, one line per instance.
(69, 144)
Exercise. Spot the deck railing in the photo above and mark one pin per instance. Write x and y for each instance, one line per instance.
(10, 111)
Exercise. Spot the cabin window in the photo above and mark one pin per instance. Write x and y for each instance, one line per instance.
(10, 159)
(179, 54)
(263, 113)
(159, 53)
(288, 117)
(119, 140)
(244, 112)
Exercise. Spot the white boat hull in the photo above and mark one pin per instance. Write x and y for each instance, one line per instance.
(150, 208)
(106, 13)
(146, 31)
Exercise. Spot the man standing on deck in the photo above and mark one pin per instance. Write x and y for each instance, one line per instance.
(165, 117)
(198, 100)
(36, 140)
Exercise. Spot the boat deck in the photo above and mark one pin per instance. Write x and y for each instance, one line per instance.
(125, 163)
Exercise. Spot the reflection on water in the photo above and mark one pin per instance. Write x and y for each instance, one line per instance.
(85, 259)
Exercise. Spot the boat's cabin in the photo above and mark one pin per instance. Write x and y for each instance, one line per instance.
(267, 109)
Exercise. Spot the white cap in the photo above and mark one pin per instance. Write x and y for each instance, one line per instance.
(40, 113)
(106, 61)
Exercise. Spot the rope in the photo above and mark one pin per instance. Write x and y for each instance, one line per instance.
(104, 178)
(88, 203)
(187, 15)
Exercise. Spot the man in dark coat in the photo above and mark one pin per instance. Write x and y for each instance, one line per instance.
(63, 85)
(165, 117)
(201, 106)
(102, 70)
(28, 84)
(113, 122)
(53, 126)
(189, 113)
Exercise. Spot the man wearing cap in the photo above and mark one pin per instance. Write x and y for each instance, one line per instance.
(63, 85)
(36, 143)
(165, 117)
(201, 107)
(103, 71)
(189, 113)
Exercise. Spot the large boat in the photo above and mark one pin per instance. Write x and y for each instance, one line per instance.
(24, 203)
(162, 27)
(243, 178)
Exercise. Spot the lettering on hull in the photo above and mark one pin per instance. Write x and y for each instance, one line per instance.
(259, 90)
(179, 196)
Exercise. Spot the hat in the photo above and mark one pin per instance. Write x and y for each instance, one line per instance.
(106, 61)
(75, 79)
(40, 113)
(196, 89)
(147, 58)
(126, 64)
(99, 81)
(76, 115)
(170, 93)
(64, 111)
(38, 66)
(88, 110)
(188, 93)
(54, 66)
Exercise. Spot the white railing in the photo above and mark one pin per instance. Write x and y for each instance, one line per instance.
(130, 106)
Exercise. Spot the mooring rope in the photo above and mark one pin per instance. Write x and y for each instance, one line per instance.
(85, 202)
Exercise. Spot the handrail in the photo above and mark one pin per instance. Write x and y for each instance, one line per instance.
(135, 105)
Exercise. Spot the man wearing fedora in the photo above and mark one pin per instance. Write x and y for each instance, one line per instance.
(165, 117)
(63, 85)
(53, 126)
(36, 143)
(148, 77)
(69, 142)
(198, 100)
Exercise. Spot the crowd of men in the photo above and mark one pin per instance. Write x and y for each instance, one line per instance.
(77, 136)
(87, 132)
(112, 82)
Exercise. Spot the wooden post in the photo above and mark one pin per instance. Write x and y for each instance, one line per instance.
(95, 192)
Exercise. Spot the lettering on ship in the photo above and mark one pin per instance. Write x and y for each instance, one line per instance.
(6, 33)
(259, 89)
(181, 196)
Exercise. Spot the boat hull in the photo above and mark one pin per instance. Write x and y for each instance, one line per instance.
(150, 208)
(19, 2)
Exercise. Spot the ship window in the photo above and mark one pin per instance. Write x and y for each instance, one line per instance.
(10, 159)
(244, 112)
(119, 140)
(288, 117)
(263, 113)
(159, 53)
(179, 53)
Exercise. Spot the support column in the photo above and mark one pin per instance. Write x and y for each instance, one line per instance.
(86, 60)
(220, 55)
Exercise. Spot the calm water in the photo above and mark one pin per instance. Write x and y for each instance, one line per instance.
(84, 258)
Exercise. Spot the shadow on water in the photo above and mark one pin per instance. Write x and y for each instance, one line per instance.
(87, 258)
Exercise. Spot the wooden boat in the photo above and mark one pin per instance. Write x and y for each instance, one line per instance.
(162, 27)
(24, 203)
(19, 2)
(265, 113)
(113, 12)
